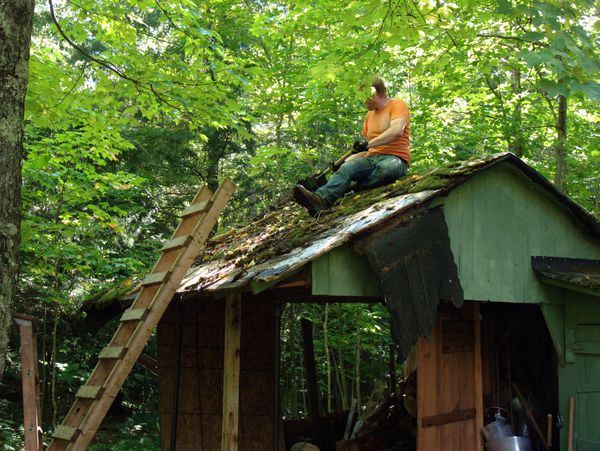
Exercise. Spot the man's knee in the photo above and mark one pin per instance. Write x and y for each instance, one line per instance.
(356, 169)
(391, 169)
(348, 167)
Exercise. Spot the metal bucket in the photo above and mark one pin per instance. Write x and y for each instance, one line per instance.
(513, 443)
(498, 429)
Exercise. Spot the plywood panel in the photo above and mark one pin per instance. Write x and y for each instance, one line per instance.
(201, 387)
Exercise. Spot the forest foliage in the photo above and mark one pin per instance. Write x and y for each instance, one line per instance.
(133, 104)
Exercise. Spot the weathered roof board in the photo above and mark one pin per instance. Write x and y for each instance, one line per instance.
(416, 268)
(284, 265)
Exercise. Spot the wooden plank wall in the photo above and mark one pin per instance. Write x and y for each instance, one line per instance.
(449, 383)
(201, 386)
(580, 376)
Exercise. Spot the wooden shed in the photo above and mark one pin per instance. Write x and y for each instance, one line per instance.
(492, 278)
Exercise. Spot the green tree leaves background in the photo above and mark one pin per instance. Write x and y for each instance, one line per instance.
(160, 97)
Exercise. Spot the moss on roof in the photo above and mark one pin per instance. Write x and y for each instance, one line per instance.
(106, 297)
(290, 226)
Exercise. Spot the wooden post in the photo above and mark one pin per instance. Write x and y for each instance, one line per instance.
(571, 422)
(31, 384)
(549, 430)
(231, 373)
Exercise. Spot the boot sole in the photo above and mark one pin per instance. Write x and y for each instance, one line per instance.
(300, 198)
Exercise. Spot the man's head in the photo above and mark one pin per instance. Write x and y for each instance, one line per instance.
(378, 97)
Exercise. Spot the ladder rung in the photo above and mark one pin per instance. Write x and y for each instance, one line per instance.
(196, 208)
(111, 352)
(133, 314)
(154, 278)
(64, 433)
(116, 360)
(89, 392)
(176, 243)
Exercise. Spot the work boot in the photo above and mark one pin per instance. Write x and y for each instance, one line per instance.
(309, 200)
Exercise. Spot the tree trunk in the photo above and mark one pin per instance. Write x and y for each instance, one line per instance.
(339, 372)
(53, 374)
(15, 34)
(560, 148)
(344, 382)
(392, 368)
(516, 139)
(357, 363)
(327, 357)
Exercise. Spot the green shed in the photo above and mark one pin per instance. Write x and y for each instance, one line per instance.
(492, 277)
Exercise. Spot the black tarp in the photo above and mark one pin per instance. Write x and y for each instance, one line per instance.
(416, 269)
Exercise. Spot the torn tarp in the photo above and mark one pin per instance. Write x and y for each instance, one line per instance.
(416, 269)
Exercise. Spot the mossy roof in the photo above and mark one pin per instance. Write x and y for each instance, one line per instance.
(281, 242)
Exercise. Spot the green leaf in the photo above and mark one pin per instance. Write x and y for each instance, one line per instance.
(534, 36)
(590, 89)
(504, 7)
(552, 88)
(531, 58)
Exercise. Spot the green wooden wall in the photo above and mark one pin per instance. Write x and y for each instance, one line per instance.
(497, 221)
(579, 377)
(342, 272)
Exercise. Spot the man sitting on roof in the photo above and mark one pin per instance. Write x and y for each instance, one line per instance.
(383, 157)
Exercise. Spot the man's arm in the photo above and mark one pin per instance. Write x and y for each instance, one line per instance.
(395, 131)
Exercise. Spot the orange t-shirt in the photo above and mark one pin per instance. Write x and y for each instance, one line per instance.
(378, 121)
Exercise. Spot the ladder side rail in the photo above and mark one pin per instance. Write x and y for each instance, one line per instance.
(144, 329)
(87, 414)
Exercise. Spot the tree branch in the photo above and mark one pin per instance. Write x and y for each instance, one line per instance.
(109, 66)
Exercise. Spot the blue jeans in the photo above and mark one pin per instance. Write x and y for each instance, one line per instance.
(367, 172)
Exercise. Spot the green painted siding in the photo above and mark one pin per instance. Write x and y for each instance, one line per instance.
(342, 272)
(496, 222)
(580, 376)
(554, 315)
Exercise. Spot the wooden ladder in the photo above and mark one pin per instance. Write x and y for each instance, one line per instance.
(137, 323)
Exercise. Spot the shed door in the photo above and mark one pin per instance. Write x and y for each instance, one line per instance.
(586, 346)
(449, 383)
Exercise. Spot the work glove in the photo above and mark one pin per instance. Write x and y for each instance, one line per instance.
(360, 145)
(334, 167)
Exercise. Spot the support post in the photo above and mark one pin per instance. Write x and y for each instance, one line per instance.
(31, 384)
(231, 373)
